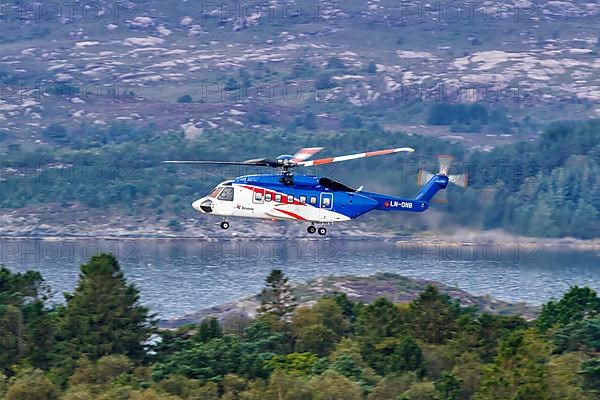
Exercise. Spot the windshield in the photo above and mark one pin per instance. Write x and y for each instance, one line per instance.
(226, 194)
(215, 191)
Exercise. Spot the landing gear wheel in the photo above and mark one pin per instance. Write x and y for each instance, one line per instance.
(311, 229)
(224, 225)
(322, 231)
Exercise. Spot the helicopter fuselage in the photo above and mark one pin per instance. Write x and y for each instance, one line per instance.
(302, 198)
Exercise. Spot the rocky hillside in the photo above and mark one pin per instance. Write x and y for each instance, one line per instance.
(183, 65)
(394, 287)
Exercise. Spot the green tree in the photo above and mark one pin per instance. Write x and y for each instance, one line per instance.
(420, 391)
(448, 387)
(12, 333)
(287, 387)
(186, 98)
(590, 370)
(434, 316)
(335, 63)
(575, 305)
(103, 316)
(21, 288)
(31, 385)
(372, 68)
(392, 386)
(316, 339)
(406, 356)
(299, 364)
(333, 386)
(277, 297)
(209, 329)
(520, 369)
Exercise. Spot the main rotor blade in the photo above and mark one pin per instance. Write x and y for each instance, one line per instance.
(306, 153)
(330, 160)
(258, 163)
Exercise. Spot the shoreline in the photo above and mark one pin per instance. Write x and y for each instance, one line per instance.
(461, 237)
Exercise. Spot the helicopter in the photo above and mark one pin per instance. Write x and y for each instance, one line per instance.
(316, 200)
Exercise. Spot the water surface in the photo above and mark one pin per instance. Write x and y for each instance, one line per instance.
(178, 277)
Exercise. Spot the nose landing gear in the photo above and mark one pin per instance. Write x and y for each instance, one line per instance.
(322, 231)
(311, 229)
(224, 225)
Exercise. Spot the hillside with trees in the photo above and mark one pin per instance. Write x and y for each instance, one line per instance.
(102, 344)
(547, 187)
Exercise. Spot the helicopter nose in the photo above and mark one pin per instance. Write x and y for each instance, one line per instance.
(203, 205)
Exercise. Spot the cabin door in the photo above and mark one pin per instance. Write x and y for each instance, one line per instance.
(326, 204)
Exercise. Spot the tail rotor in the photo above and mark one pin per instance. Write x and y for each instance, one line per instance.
(444, 164)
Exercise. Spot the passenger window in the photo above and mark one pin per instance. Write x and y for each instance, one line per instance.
(258, 197)
(326, 202)
(313, 200)
(302, 199)
(268, 197)
(226, 194)
(278, 198)
(290, 198)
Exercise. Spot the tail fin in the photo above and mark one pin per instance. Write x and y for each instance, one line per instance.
(434, 184)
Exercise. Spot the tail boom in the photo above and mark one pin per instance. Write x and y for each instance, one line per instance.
(391, 203)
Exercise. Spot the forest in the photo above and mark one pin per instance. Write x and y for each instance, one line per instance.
(548, 187)
(102, 344)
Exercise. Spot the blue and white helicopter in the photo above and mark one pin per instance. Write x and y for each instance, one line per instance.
(308, 198)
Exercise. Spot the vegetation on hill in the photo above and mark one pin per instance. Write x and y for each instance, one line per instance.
(101, 344)
(547, 187)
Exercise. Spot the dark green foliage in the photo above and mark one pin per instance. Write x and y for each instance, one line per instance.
(576, 305)
(434, 316)
(461, 114)
(55, 132)
(26, 327)
(540, 188)
(324, 81)
(231, 84)
(590, 369)
(581, 335)
(277, 297)
(379, 351)
(103, 315)
(186, 98)
(406, 356)
(371, 68)
(448, 387)
(335, 63)
(351, 121)
(21, 288)
(209, 329)
(216, 358)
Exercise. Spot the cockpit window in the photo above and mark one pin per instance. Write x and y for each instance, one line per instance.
(215, 192)
(226, 194)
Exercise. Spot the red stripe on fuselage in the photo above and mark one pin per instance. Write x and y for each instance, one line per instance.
(291, 214)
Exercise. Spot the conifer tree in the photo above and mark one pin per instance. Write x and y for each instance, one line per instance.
(103, 316)
(277, 297)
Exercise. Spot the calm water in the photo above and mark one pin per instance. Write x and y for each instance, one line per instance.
(178, 277)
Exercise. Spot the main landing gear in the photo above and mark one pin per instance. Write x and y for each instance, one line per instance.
(312, 229)
(224, 225)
